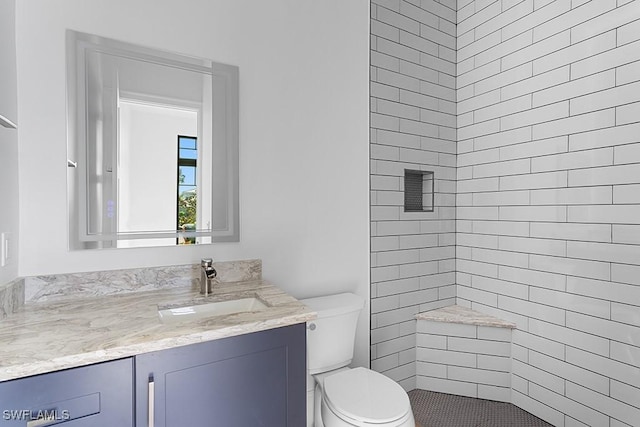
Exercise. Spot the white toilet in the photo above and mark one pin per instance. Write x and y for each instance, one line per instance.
(336, 395)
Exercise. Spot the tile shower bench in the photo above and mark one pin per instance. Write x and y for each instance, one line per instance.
(464, 352)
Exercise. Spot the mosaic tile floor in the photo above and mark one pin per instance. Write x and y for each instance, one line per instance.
(445, 410)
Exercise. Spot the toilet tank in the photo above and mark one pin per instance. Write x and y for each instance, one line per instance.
(331, 337)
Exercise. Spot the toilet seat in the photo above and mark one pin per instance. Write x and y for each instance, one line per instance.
(362, 397)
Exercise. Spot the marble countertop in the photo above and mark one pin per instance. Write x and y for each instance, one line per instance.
(464, 315)
(49, 336)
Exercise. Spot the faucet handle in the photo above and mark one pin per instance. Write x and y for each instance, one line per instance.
(210, 272)
(206, 262)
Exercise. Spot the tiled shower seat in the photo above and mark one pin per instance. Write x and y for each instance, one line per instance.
(464, 352)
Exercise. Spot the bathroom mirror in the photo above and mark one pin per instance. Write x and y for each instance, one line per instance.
(152, 152)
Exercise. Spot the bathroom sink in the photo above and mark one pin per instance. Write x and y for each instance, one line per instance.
(218, 308)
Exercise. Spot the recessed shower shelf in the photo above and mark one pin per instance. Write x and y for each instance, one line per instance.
(418, 191)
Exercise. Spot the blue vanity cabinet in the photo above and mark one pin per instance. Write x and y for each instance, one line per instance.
(257, 379)
(99, 395)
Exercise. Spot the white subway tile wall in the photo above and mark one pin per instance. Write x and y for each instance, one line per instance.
(529, 113)
(464, 359)
(548, 200)
(413, 126)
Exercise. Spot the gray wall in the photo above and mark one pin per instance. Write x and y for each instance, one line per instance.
(548, 204)
(413, 125)
(8, 138)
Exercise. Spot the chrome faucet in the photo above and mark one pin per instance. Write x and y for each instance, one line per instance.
(207, 274)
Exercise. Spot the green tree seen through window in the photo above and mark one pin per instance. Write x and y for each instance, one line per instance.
(187, 187)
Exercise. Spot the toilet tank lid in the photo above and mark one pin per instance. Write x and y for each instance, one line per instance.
(334, 305)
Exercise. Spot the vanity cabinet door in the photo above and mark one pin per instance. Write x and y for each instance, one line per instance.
(256, 379)
(98, 395)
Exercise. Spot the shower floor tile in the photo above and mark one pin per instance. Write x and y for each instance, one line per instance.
(446, 410)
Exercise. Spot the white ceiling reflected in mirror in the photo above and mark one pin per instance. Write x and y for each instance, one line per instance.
(152, 146)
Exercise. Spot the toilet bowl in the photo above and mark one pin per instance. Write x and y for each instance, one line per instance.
(341, 396)
(360, 397)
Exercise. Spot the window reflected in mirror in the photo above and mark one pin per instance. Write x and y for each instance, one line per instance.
(187, 205)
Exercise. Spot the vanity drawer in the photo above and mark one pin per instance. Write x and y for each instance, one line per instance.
(98, 395)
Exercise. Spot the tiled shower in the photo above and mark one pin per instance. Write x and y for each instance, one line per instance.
(528, 113)
(413, 126)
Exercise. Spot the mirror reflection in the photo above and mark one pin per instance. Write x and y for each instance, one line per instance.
(153, 142)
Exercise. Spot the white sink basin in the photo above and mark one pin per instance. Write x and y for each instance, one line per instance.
(220, 308)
